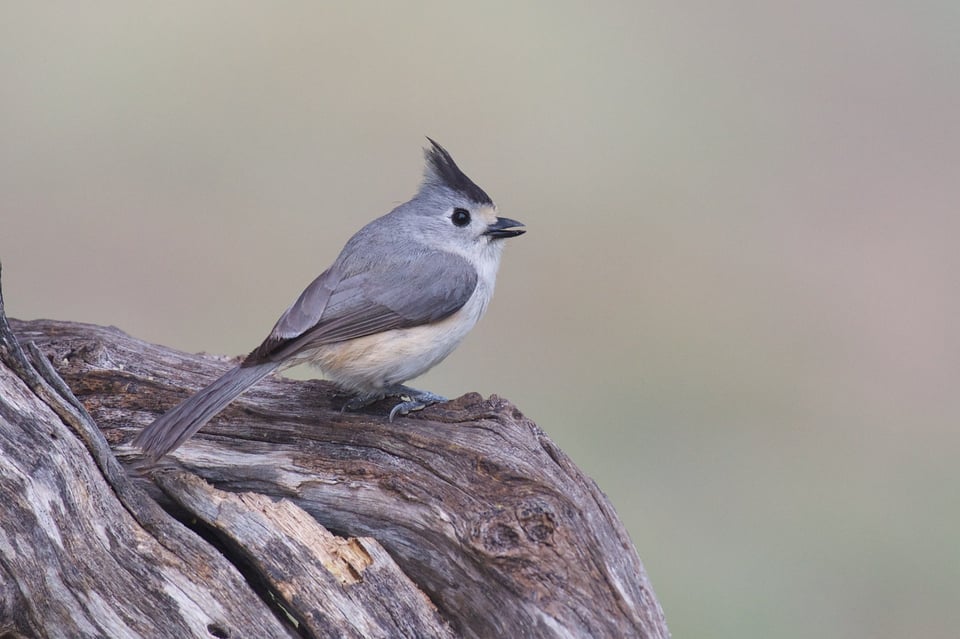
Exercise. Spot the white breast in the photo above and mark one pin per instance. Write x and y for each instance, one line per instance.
(369, 364)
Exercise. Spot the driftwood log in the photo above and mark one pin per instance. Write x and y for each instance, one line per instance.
(295, 520)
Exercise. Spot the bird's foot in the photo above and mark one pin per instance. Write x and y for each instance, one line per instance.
(414, 400)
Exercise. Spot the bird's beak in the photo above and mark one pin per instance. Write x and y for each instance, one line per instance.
(504, 227)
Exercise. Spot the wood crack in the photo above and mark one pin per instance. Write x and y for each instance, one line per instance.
(503, 536)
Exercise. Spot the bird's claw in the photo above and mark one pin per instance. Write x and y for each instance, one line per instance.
(413, 400)
(418, 400)
(405, 408)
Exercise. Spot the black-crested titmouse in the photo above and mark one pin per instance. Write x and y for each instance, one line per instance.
(402, 294)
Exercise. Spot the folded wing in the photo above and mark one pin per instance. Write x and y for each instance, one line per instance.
(392, 293)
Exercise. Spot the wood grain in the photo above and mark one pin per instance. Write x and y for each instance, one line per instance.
(462, 520)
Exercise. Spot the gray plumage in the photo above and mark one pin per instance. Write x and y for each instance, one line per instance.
(401, 295)
(355, 298)
(177, 425)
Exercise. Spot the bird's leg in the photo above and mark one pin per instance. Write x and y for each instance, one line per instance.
(413, 399)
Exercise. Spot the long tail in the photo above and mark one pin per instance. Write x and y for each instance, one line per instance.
(180, 423)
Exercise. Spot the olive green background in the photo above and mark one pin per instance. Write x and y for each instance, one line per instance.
(737, 305)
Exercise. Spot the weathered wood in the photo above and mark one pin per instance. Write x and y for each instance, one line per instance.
(472, 500)
(333, 586)
(82, 552)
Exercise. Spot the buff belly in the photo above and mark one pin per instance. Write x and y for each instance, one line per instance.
(369, 364)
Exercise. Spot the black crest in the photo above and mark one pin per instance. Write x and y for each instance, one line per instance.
(442, 170)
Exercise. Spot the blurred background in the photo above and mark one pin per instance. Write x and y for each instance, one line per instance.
(737, 305)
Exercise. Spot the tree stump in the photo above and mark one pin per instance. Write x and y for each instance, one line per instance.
(295, 519)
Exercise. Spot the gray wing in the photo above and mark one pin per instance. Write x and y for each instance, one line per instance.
(346, 303)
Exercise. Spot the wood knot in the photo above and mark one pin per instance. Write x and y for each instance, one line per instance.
(95, 354)
(500, 538)
(506, 533)
(537, 521)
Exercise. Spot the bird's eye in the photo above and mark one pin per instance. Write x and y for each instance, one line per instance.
(460, 217)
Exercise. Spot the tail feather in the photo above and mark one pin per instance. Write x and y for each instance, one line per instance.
(180, 423)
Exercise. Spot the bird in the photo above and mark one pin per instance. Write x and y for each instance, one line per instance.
(398, 299)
